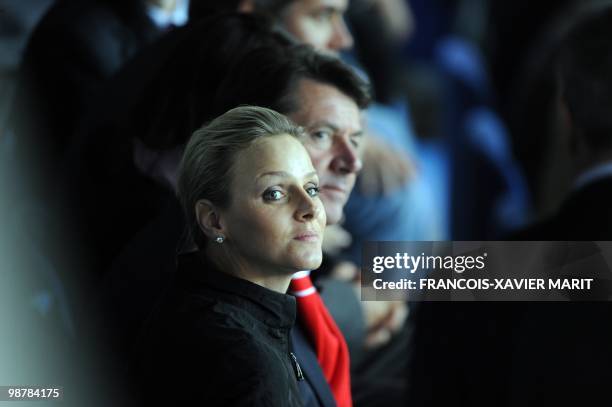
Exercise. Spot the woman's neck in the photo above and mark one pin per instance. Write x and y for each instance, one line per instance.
(272, 279)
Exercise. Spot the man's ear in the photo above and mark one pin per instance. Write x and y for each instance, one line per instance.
(209, 219)
(246, 6)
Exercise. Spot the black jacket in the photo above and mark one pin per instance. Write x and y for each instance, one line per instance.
(220, 340)
(314, 389)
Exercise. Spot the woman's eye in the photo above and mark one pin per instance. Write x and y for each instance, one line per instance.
(312, 191)
(273, 195)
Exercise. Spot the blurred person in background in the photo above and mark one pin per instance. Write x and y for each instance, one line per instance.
(582, 93)
(72, 52)
(70, 56)
(541, 347)
(487, 192)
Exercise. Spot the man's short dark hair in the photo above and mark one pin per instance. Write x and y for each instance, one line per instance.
(230, 61)
(585, 74)
(269, 76)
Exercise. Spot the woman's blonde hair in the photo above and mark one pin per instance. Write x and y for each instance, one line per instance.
(206, 167)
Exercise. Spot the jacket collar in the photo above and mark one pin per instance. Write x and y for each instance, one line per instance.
(274, 309)
(315, 378)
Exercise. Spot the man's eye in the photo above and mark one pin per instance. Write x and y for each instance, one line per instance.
(312, 191)
(320, 135)
(324, 15)
(273, 195)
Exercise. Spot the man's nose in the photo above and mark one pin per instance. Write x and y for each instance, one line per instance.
(346, 158)
(341, 38)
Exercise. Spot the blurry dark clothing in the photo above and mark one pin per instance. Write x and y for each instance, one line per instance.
(113, 202)
(508, 47)
(76, 47)
(69, 59)
(585, 215)
(220, 340)
(512, 354)
(379, 379)
(140, 277)
(528, 353)
(101, 169)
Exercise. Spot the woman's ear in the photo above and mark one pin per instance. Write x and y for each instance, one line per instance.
(209, 219)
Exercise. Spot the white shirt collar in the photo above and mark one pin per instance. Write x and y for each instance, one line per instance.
(301, 274)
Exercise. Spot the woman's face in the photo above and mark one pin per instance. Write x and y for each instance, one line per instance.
(275, 219)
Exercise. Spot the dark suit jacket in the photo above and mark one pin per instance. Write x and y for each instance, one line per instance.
(522, 354)
(585, 215)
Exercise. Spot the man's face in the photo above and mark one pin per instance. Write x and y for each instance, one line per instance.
(332, 122)
(319, 23)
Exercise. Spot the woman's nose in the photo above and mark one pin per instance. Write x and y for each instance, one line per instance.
(307, 208)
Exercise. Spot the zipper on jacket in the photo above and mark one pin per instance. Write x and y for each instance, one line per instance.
(296, 367)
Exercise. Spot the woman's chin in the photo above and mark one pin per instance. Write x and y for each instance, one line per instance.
(309, 261)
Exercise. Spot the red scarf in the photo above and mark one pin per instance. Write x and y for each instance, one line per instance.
(328, 341)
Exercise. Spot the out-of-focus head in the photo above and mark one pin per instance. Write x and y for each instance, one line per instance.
(194, 60)
(585, 77)
(319, 23)
(246, 177)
